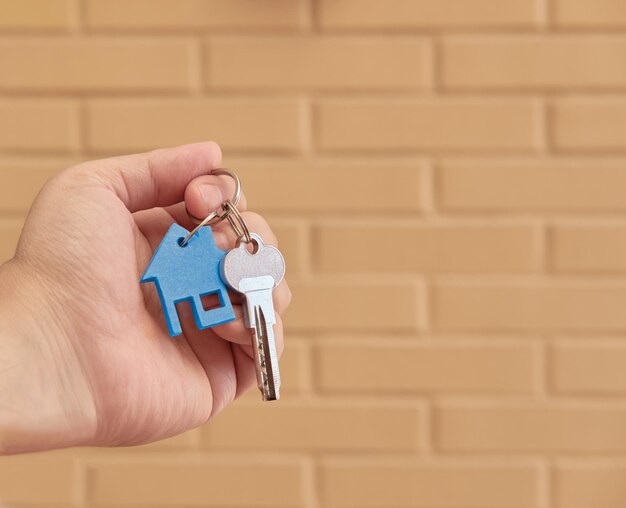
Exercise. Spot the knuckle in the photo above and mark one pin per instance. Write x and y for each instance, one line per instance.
(283, 297)
(280, 337)
(255, 218)
(288, 295)
(258, 224)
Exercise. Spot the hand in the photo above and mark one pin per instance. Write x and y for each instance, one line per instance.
(85, 357)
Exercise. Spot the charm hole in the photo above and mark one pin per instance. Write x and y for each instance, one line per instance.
(180, 242)
(252, 246)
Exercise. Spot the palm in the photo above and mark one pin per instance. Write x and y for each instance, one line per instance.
(146, 385)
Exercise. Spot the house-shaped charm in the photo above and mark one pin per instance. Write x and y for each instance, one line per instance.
(189, 273)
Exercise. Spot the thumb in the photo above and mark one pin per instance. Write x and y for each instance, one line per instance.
(205, 194)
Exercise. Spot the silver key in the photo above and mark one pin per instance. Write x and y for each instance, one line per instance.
(255, 276)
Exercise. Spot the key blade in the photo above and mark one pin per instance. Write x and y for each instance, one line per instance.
(260, 318)
(268, 374)
(257, 291)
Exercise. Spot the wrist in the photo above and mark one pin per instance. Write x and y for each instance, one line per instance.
(45, 401)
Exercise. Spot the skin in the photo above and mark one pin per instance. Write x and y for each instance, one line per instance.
(85, 357)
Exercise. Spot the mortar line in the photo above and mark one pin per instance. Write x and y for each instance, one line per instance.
(79, 18)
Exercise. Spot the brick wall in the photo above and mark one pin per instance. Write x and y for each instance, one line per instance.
(448, 180)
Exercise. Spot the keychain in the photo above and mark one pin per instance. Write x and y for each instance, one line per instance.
(188, 266)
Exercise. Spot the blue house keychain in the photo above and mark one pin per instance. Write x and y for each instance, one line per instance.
(186, 267)
(189, 273)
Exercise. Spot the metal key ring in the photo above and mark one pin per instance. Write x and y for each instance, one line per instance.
(238, 223)
(215, 217)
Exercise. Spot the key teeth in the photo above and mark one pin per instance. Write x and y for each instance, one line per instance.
(264, 375)
(265, 388)
(262, 358)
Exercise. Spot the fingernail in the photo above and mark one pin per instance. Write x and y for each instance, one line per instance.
(211, 195)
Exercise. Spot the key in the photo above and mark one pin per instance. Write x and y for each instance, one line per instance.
(255, 275)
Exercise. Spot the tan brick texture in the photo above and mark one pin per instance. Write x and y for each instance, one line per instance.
(447, 180)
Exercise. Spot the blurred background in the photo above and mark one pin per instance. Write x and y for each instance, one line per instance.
(448, 182)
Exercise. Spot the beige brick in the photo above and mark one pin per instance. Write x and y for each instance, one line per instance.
(589, 247)
(38, 125)
(545, 185)
(397, 366)
(438, 124)
(410, 246)
(301, 63)
(601, 484)
(354, 305)
(590, 124)
(21, 179)
(513, 62)
(341, 425)
(95, 64)
(193, 14)
(279, 185)
(526, 428)
(38, 480)
(590, 13)
(295, 368)
(519, 307)
(237, 124)
(193, 481)
(10, 230)
(589, 367)
(399, 14)
(413, 484)
(293, 241)
(35, 15)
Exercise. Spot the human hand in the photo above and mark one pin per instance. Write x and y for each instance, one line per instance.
(85, 356)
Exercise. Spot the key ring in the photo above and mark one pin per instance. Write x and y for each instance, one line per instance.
(240, 226)
(216, 217)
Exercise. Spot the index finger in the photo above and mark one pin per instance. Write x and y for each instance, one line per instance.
(153, 179)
